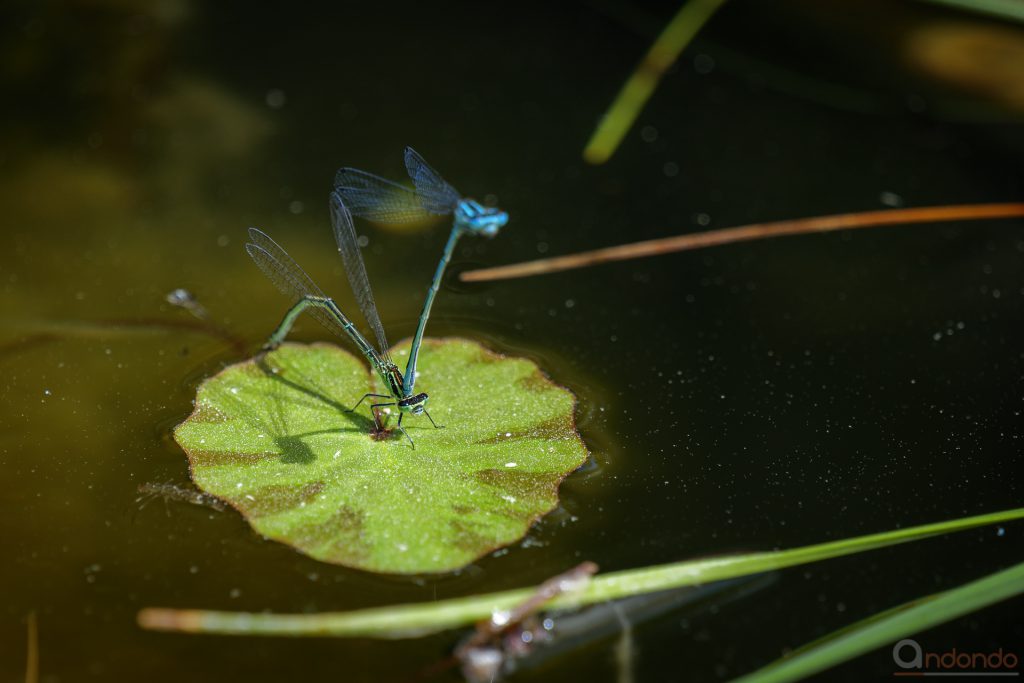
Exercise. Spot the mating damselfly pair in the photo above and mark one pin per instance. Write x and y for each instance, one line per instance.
(369, 196)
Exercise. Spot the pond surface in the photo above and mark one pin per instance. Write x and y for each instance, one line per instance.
(748, 397)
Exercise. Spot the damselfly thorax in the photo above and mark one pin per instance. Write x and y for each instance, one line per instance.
(414, 404)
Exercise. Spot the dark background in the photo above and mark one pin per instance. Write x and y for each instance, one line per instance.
(748, 397)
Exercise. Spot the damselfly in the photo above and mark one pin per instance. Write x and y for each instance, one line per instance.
(370, 196)
(284, 272)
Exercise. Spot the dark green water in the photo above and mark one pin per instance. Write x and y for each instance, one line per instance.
(748, 397)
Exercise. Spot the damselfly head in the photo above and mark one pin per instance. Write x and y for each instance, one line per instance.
(478, 219)
(413, 404)
(492, 221)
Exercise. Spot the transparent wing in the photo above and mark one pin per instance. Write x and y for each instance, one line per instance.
(369, 196)
(348, 247)
(436, 195)
(289, 277)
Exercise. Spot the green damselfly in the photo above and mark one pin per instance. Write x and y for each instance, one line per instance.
(289, 277)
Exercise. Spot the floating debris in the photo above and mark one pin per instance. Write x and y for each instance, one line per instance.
(183, 494)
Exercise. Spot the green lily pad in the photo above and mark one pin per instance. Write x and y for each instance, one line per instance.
(269, 437)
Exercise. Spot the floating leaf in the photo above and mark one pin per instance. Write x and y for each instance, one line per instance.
(270, 437)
